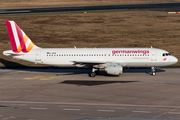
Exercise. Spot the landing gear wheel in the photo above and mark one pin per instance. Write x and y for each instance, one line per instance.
(93, 74)
(153, 71)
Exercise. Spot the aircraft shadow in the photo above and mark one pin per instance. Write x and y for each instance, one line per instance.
(92, 83)
(142, 70)
(10, 64)
(68, 71)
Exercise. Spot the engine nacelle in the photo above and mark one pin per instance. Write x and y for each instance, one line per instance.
(114, 69)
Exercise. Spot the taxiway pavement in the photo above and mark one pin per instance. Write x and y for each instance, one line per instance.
(67, 94)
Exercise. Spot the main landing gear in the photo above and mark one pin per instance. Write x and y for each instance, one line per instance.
(94, 72)
(153, 71)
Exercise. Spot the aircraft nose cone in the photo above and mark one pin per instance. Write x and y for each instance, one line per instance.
(176, 60)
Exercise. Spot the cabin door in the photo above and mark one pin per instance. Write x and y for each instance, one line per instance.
(153, 55)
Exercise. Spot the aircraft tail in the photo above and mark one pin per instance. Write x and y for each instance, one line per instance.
(19, 40)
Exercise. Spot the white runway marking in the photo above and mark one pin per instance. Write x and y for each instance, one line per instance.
(142, 111)
(117, 107)
(72, 109)
(106, 110)
(12, 117)
(69, 106)
(34, 108)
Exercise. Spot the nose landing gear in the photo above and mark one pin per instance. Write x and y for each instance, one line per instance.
(153, 71)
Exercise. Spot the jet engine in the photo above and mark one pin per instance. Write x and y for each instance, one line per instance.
(114, 69)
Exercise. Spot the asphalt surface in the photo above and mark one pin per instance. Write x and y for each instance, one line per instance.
(159, 7)
(69, 94)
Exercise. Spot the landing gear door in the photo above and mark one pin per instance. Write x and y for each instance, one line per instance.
(153, 55)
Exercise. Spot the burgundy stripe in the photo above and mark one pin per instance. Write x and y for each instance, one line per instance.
(21, 39)
(11, 36)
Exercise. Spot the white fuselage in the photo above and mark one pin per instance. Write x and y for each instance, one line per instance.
(127, 57)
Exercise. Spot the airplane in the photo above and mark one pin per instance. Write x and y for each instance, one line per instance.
(110, 60)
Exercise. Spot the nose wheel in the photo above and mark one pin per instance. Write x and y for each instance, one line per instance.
(153, 71)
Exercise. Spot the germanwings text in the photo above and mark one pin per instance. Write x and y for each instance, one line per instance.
(130, 51)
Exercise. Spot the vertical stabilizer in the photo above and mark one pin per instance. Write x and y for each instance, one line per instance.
(19, 40)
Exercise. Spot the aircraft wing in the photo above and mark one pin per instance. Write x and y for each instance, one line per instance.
(99, 64)
(89, 62)
(96, 64)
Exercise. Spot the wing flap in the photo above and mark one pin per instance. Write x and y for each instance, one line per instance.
(89, 62)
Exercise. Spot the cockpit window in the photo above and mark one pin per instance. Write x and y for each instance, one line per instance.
(166, 54)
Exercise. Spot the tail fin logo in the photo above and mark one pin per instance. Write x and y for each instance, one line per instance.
(19, 40)
(164, 59)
